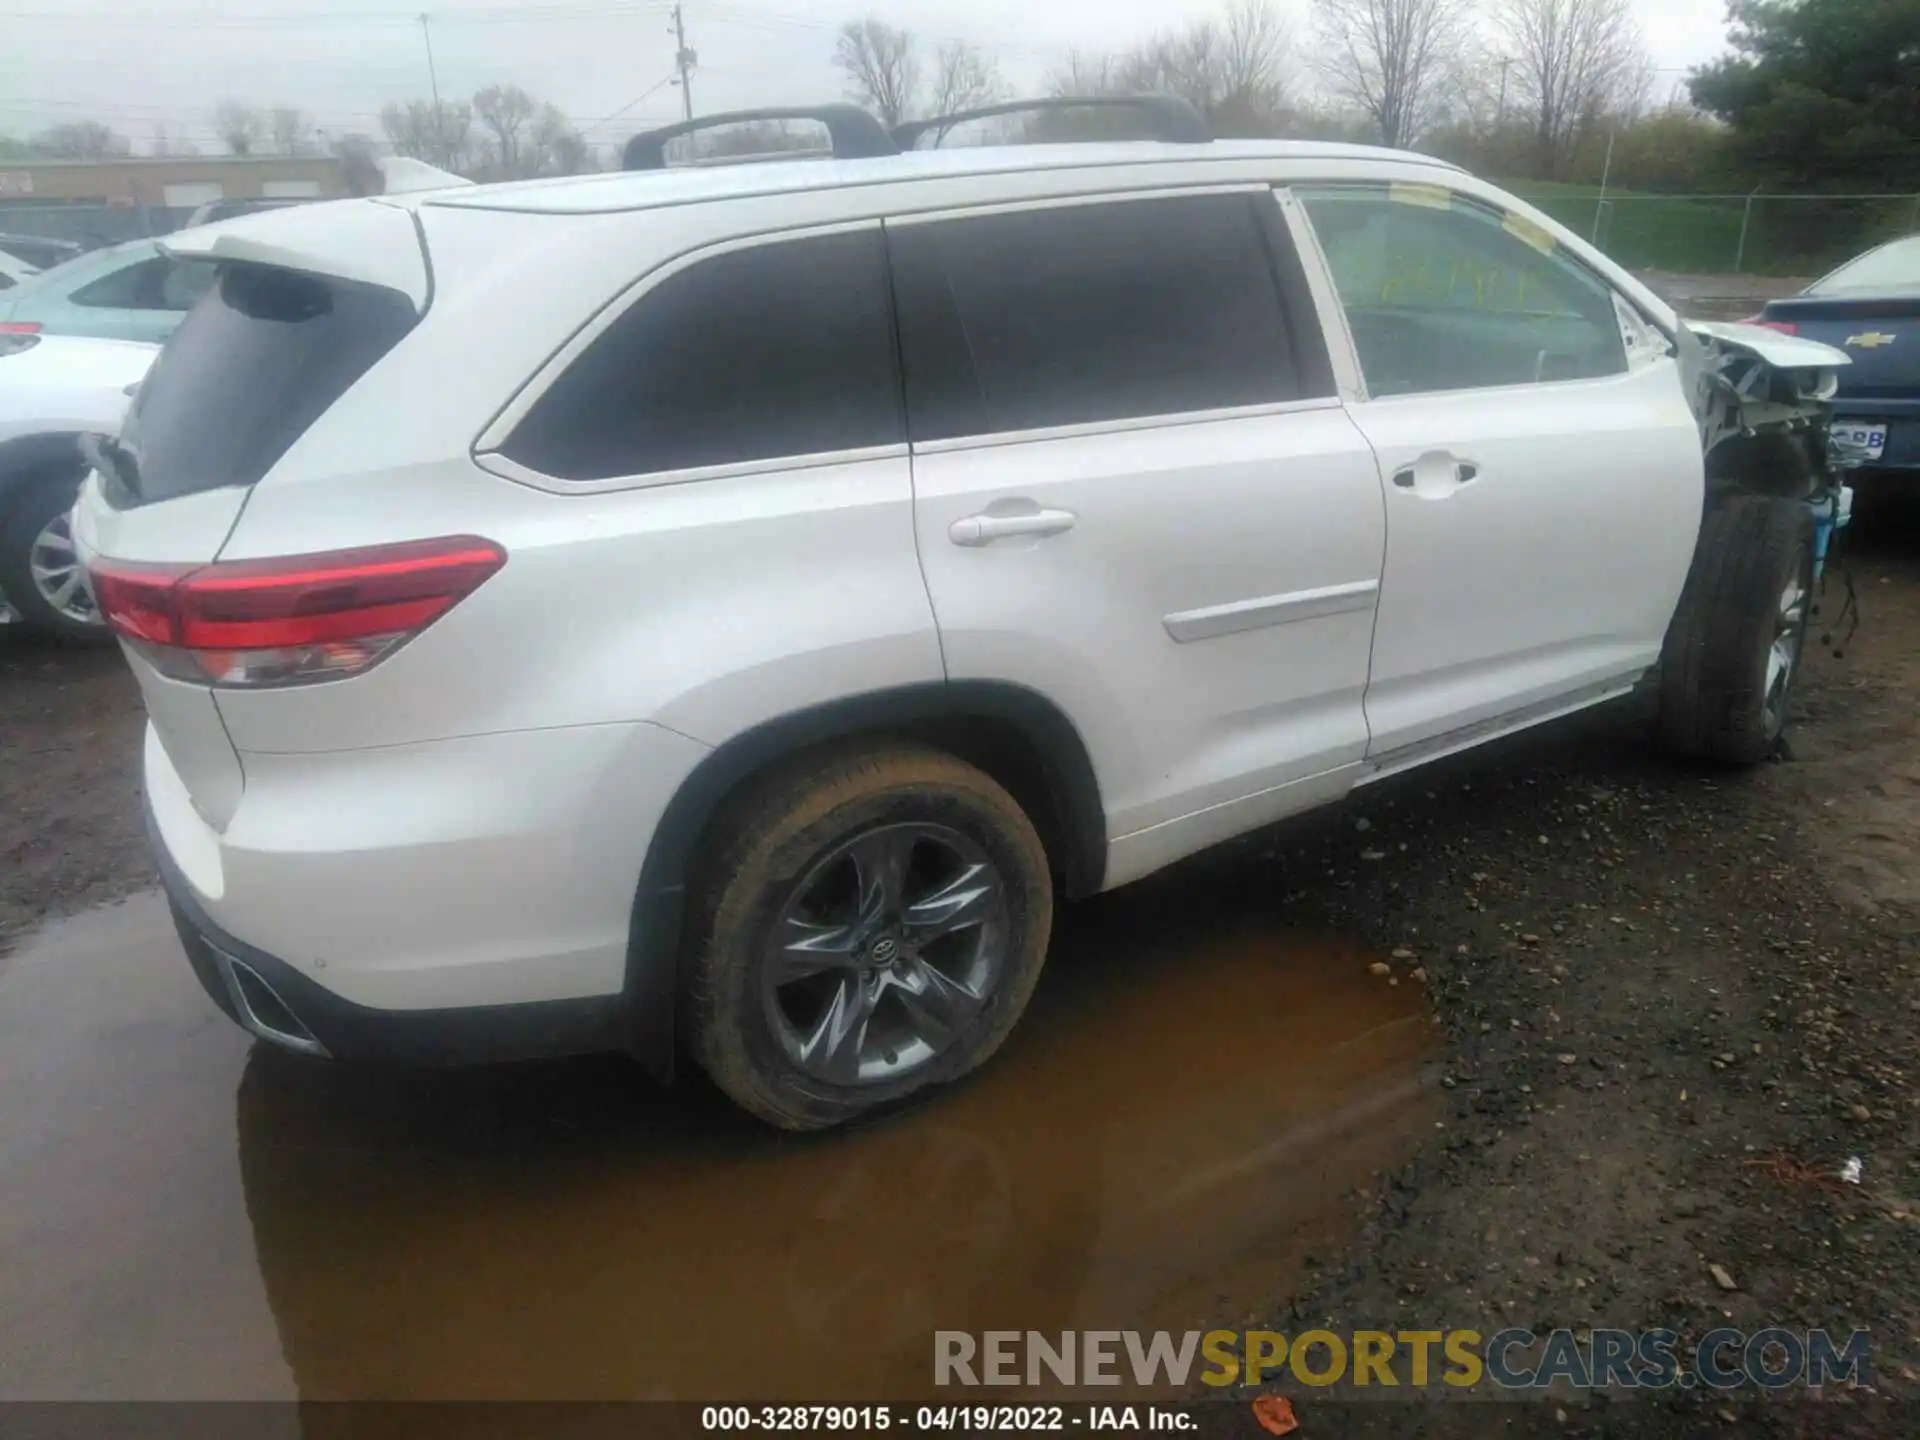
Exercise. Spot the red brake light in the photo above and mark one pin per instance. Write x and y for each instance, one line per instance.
(290, 619)
(1783, 326)
(19, 327)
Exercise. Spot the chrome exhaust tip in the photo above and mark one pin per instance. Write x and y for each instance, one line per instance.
(261, 1010)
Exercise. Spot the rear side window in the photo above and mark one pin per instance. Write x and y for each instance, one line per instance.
(263, 356)
(779, 350)
(136, 287)
(157, 284)
(1088, 313)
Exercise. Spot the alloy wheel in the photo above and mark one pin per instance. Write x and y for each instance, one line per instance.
(884, 952)
(55, 568)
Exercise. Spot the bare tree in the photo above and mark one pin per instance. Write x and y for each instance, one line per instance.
(1083, 75)
(1258, 54)
(438, 134)
(506, 116)
(1573, 62)
(80, 140)
(882, 67)
(554, 147)
(357, 164)
(1235, 73)
(1394, 59)
(238, 125)
(292, 135)
(963, 79)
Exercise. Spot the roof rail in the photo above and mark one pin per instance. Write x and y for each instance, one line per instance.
(1168, 116)
(856, 135)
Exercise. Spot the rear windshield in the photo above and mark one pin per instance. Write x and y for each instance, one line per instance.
(1894, 266)
(256, 362)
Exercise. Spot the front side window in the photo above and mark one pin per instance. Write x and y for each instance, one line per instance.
(1441, 293)
(1087, 313)
(779, 350)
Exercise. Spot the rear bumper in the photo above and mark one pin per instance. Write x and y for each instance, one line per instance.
(265, 995)
(446, 902)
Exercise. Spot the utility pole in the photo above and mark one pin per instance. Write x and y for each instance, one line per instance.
(433, 78)
(1500, 111)
(685, 59)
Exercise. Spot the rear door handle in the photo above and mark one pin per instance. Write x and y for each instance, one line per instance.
(987, 527)
(1435, 475)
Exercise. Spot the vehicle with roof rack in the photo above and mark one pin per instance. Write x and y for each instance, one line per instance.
(715, 612)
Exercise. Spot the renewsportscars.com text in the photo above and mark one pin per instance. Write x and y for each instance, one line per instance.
(1509, 1359)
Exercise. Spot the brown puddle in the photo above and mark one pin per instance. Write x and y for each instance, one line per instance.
(1173, 1126)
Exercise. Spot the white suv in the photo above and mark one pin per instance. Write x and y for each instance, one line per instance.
(716, 611)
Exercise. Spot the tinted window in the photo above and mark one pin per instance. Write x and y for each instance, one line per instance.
(1441, 294)
(156, 284)
(1091, 312)
(184, 282)
(783, 349)
(256, 362)
(134, 287)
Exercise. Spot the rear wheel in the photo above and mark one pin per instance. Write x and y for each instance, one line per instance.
(873, 924)
(1733, 650)
(39, 567)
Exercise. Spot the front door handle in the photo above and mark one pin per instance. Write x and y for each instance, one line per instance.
(987, 527)
(1435, 475)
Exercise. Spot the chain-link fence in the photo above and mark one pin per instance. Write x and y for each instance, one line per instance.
(1756, 234)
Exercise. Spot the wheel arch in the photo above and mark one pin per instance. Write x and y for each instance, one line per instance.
(27, 456)
(1014, 734)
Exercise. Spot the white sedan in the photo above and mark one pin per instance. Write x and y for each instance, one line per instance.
(54, 390)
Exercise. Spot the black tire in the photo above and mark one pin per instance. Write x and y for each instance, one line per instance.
(1717, 701)
(779, 847)
(35, 504)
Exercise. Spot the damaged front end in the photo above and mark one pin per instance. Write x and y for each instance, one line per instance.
(1765, 406)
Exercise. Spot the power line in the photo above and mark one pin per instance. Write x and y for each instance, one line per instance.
(335, 19)
(658, 85)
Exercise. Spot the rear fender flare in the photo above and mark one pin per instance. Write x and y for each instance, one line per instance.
(950, 713)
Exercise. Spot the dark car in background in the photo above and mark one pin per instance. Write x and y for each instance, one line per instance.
(1869, 307)
(39, 251)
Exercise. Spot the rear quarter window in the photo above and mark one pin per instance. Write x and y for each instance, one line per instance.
(263, 355)
(781, 350)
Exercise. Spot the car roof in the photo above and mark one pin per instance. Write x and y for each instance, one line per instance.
(685, 185)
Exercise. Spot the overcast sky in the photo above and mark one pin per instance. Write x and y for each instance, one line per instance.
(141, 64)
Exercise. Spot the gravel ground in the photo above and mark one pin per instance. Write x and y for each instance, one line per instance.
(1676, 1000)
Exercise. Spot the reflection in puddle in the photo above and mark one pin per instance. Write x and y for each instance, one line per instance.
(1173, 1125)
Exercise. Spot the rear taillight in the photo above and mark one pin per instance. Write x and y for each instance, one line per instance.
(290, 620)
(1783, 326)
(19, 327)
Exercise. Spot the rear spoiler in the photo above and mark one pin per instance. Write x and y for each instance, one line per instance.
(369, 241)
(406, 176)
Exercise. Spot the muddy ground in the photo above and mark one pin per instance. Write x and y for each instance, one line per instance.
(1675, 1001)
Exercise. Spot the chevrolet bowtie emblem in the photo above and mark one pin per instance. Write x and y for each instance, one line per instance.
(1871, 339)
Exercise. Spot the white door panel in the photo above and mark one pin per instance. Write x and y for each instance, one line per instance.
(1205, 618)
(1537, 540)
